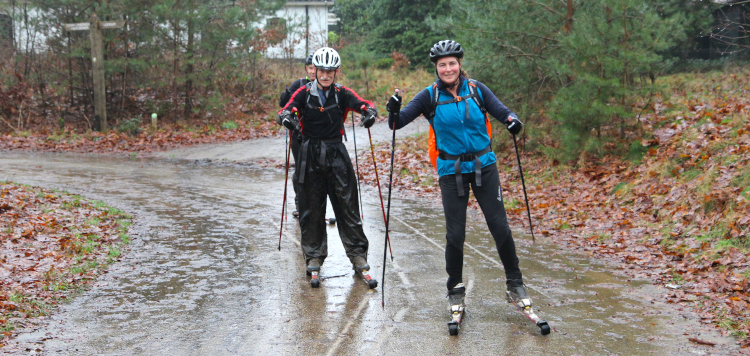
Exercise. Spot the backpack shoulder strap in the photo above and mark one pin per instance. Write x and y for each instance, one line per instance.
(433, 102)
(338, 87)
(474, 91)
(308, 86)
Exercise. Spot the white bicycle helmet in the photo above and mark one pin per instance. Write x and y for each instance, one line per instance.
(326, 58)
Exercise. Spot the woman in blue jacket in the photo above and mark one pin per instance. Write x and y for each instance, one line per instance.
(455, 107)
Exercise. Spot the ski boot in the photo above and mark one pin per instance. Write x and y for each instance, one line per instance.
(359, 264)
(456, 301)
(313, 270)
(517, 295)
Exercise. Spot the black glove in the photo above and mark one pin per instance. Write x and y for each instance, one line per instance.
(288, 120)
(514, 125)
(394, 104)
(368, 117)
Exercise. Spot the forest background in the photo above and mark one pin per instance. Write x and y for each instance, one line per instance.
(636, 137)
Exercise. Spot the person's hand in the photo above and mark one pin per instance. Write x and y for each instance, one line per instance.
(368, 117)
(288, 120)
(394, 103)
(514, 125)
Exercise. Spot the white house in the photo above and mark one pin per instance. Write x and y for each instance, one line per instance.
(306, 23)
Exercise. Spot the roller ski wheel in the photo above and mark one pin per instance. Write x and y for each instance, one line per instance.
(295, 214)
(315, 280)
(372, 283)
(453, 329)
(524, 305)
(542, 324)
(331, 221)
(313, 270)
(456, 306)
(362, 269)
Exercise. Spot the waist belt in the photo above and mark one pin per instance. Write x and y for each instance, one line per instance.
(466, 158)
(321, 158)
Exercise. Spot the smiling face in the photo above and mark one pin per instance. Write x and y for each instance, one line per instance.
(310, 69)
(325, 77)
(448, 69)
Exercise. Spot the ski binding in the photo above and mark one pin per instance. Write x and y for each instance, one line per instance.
(457, 313)
(528, 311)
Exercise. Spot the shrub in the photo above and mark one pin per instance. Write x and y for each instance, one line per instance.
(131, 126)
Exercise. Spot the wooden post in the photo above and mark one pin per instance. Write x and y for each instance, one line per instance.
(95, 27)
(97, 68)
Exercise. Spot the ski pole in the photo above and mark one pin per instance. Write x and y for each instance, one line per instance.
(388, 217)
(377, 180)
(287, 142)
(356, 160)
(286, 183)
(520, 169)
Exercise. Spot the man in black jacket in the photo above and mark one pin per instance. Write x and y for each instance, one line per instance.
(323, 165)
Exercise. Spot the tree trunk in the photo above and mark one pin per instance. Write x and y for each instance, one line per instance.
(569, 17)
(190, 64)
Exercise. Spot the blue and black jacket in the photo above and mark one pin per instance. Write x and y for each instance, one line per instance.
(457, 133)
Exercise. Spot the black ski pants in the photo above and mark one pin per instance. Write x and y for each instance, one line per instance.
(330, 176)
(296, 138)
(490, 199)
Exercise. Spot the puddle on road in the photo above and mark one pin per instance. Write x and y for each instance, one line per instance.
(204, 276)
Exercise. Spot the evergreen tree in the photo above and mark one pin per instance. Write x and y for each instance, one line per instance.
(385, 26)
(584, 60)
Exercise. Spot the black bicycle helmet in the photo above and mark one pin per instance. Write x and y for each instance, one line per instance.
(308, 60)
(446, 48)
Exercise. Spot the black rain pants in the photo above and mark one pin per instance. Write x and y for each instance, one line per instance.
(328, 176)
(490, 199)
(296, 138)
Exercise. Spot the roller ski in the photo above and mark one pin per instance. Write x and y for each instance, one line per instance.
(313, 270)
(517, 295)
(361, 268)
(457, 307)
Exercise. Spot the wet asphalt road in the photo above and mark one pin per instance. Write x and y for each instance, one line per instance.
(203, 276)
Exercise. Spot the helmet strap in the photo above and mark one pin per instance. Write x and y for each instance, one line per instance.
(449, 85)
